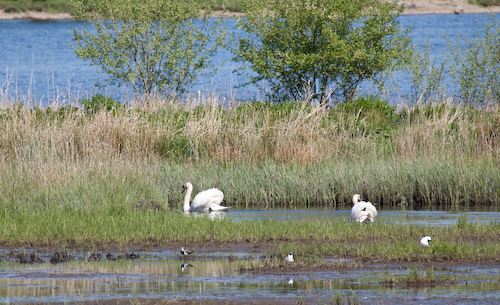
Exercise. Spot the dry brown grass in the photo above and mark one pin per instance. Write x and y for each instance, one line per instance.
(301, 135)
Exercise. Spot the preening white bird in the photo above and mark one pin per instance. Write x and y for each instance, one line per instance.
(206, 201)
(289, 258)
(362, 210)
(424, 241)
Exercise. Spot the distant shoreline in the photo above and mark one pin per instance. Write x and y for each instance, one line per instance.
(412, 7)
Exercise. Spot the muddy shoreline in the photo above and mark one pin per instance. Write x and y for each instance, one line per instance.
(208, 251)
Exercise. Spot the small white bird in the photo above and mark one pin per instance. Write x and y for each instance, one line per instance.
(290, 282)
(425, 241)
(289, 258)
(184, 252)
(206, 201)
(362, 210)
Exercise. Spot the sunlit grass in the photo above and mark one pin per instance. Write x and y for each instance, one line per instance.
(311, 240)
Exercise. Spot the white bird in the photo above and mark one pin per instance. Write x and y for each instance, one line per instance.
(362, 210)
(184, 252)
(425, 241)
(289, 258)
(206, 201)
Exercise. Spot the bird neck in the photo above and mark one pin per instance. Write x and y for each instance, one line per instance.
(187, 198)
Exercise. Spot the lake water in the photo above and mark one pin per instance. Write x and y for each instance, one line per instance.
(419, 218)
(37, 64)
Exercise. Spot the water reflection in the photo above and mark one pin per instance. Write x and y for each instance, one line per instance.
(421, 218)
(213, 215)
(169, 279)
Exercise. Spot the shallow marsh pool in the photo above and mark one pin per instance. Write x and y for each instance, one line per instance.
(161, 275)
(230, 276)
(422, 218)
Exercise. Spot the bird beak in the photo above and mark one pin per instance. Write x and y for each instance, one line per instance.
(183, 188)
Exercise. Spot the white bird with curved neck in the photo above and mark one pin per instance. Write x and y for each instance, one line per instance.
(206, 201)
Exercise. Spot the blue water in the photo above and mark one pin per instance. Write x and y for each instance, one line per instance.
(38, 65)
(419, 218)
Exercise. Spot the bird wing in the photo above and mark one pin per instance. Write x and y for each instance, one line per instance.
(362, 211)
(356, 212)
(371, 209)
(206, 199)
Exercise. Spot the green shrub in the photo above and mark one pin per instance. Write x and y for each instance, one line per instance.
(372, 112)
(100, 102)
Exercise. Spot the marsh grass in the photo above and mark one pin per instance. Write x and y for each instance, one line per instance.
(98, 223)
(419, 277)
(338, 299)
(286, 155)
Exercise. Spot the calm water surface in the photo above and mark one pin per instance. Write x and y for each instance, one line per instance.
(164, 277)
(422, 218)
(37, 62)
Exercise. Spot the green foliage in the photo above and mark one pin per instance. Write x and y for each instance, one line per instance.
(49, 114)
(49, 6)
(100, 102)
(154, 47)
(426, 77)
(374, 113)
(368, 104)
(319, 48)
(475, 65)
(487, 3)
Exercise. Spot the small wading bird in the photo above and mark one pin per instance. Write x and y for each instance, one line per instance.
(185, 265)
(362, 210)
(185, 253)
(425, 241)
(206, 201)
(289, 258)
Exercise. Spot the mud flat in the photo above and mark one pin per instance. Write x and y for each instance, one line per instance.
(236, 273)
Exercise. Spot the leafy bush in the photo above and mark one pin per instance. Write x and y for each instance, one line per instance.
(159, 47)
(326, 48)
(475, 65)
(377, 114)
(100, 102)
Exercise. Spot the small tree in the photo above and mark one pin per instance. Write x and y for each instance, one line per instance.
(475, 65)
(153, 46)
(319, 45)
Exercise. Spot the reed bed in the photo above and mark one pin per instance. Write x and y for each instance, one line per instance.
(259, 155)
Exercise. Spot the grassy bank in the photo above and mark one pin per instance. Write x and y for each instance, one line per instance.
(47, 6)
(65, 6)
(105, 225)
